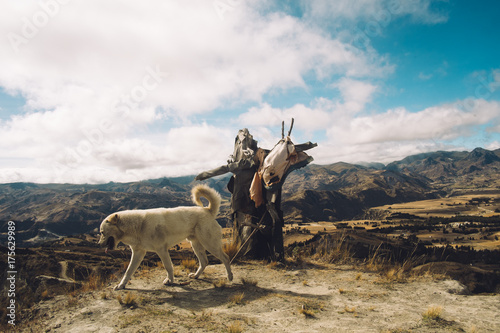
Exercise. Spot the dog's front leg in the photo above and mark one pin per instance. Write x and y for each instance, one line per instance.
(135, 261)
(167, 262)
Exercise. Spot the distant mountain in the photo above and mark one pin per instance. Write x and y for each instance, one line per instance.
(452, 171)
(372, 187)
(315, 193)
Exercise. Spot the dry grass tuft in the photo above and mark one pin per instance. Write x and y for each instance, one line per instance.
(237, 298)
(44, 294)
(96, 281)
(220, 283)
(128, 301)
(310, 307)
(473, 329)
(235, 327)
(72, 301)
(273, 264)
(350, 310)
(231, 249)
(433, 313)
(307, 312)
(189, 264)
(389, 271)
(249, 282)
(332, 250)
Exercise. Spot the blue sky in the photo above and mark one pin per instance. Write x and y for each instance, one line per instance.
(96, 91)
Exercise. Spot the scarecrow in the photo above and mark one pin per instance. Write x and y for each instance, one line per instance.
(256, 186)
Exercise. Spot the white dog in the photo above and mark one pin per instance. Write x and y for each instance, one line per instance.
(159, 229)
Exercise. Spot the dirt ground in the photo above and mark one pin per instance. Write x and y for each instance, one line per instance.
(312, 297)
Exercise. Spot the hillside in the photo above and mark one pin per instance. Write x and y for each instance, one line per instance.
(315, 193)
(453, 171)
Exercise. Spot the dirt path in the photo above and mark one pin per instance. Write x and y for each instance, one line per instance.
(64, 270)
(316, 298)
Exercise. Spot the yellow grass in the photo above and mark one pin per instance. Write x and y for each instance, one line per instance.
(231, 248)
(189, 264)
(128, 301)
(307, 312)
(433, 313)
(220, 283)
(237, 298)
(235, 327)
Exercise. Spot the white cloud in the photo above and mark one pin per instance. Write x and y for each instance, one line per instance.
(425, 77)
(396, 133)
(92, 71)
(114, 90)
(444, 122)
(376, 11)
(354, 136)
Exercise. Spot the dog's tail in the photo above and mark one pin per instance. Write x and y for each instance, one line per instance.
(208, 193)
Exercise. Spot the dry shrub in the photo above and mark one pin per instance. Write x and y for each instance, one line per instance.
(273, 264)
(249, 282)
(128, 301)
(44, 294)
(72, 301)
(189, 264)
(235, 327)
(433, 313)
(473, 329)
(237, 298)
(389, 270)
(334, 250)
(220, 283)
(231, 249)
(376, 262)
(310, 307)
(350, 310)
(95, 281)
(307, 312)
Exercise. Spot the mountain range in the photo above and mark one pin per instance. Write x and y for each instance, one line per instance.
(315, 193)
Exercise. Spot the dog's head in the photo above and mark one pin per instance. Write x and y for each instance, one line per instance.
(110, 232)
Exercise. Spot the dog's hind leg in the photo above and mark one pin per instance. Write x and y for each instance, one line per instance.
(200, 252)
(135, 261)
(213, 244)
(167, 262)
(222, 256)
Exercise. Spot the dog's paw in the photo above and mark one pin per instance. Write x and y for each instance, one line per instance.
(119, 287)
(168, 282)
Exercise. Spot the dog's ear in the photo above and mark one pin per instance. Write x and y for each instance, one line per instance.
(114, 219)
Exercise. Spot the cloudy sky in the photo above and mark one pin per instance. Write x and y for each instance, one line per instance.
(105, 90)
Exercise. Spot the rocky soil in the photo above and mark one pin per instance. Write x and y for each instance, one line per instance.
(298, 297)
